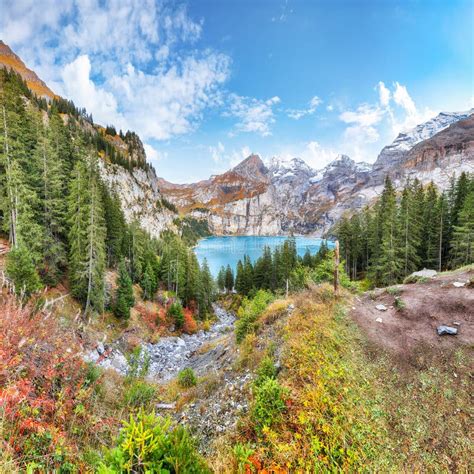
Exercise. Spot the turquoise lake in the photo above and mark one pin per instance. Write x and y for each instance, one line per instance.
(230, 249)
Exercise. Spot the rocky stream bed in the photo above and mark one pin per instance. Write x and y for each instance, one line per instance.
(172, 354)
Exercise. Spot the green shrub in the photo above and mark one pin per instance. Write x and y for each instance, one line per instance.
(187, 378)
(138, 393)
(394, 290)
(266, 370)
(175, 311)
(249, 312)
(324, 272)
(414, 279)
(150, 444)
(268, 405)
(399, 303)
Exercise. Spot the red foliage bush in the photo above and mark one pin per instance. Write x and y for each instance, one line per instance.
(190, 325)
(43, 387)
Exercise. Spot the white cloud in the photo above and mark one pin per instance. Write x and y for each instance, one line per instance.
(253, 115)
(296, 114)
(152, 154)
(362, 123)
(317, 156)
(384, 94)
(130, 62)
(79, 87)
(330, 108)
(217, 152)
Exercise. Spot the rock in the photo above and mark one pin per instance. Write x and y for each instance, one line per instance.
(291, 307)
(459, 284)
(456, 323)
(100, 348)
(165, 406)
(425, 273)
(379, 320)
(446, 331)
(381, 307)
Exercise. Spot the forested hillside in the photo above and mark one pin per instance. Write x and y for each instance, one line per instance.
(64, 224)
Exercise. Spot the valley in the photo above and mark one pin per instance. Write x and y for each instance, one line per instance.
(272, 318)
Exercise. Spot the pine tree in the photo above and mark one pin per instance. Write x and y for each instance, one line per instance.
(229, 279)
(206, 290)
(86, 237)
(124, 299)
(148, 282)
(389, 263)
(115, 226)
(221, 279)
(463, 235)
(21, 270)
(240, 278)
(409, 231)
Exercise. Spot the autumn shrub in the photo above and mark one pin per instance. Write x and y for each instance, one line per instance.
(189, 325)
(187, 378)
(151, 444)
(46, 390)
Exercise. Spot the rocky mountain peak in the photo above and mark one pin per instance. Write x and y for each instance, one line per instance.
(9, 60)
(252, 168)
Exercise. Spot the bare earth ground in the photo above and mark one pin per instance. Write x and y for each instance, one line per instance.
(427, 305)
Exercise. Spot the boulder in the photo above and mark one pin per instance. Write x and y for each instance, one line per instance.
(381, 307)
(446, 331)
(425, 273)
(459, 284)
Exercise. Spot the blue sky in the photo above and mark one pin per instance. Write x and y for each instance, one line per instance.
(205, 83)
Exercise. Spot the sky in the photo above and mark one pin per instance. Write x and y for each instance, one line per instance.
(207, 82)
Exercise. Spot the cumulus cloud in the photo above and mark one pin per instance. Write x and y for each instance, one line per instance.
(133, 63)
(226, 159)
(395, 110)
(316, 155)
(254, 115)
(217, 152)
(296, 114)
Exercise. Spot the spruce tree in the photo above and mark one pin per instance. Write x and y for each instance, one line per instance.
(86, 236)
(463, 235)
(124, 299)
(229, 279)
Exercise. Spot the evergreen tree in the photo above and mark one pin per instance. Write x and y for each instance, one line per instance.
(124, 299)
(463, 235)
(389, 263)
(229, 279)
(86, 237)
(240, 278)
(221, 279)
(148, 282)
(21, 270)
(206, 290)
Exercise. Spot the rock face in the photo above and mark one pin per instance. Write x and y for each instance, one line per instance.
(289, 196)
(139, 195)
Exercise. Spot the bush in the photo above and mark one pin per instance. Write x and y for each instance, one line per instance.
(266, 370)
(414, 279)
(187, 378)
(269, 404)
(175, 311)
(249, 312)
(149, 443)
(399, 304)
(138, 393)
(242, 455)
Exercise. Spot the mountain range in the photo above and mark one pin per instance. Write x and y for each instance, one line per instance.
(277, 196)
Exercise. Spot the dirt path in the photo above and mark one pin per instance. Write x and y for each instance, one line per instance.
(426, 306)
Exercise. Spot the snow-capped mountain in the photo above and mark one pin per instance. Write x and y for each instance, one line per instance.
(391, 154)
(287, 195)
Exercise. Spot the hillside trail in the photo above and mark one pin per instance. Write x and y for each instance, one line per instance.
(410, 326)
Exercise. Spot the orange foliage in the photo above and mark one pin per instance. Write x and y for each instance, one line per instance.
(44, 394)
(190, 325)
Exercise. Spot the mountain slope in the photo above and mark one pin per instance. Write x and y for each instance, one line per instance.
(9, 60)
